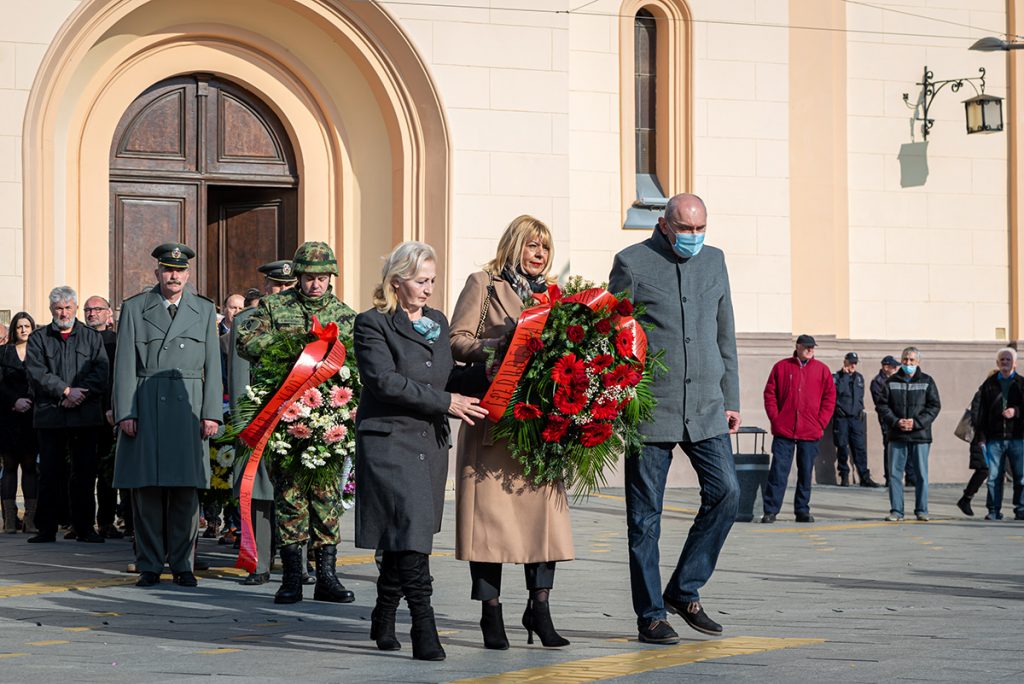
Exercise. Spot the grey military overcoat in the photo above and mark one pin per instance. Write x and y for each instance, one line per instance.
(402, 434)
(166, 377)
(238, 380)
(689, 302)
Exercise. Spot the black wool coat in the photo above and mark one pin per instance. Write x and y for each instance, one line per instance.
(402, 433)
(53, 365)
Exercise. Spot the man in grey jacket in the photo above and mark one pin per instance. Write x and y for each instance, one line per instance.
(684, 286)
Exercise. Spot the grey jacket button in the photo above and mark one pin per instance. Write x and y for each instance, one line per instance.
(429, 364)
(181, 346)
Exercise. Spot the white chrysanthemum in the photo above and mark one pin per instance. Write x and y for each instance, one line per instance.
(344, 373)
(226, 456)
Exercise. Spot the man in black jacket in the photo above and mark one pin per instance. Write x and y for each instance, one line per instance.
(1002, 432)
(847, 424)
(67, 369)
(889, 366)
(908, 406)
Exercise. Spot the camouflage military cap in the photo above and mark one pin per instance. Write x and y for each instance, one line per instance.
(173, 255)
(314, 257)
(279, 271)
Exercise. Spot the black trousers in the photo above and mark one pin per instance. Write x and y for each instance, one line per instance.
(106, 495)
(848, 435)
(486, 578)
(55, 445)
(25, 460)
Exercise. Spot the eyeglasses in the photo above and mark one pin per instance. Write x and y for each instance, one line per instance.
(89, 309)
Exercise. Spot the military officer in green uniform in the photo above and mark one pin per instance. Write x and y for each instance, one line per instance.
(167, 404)
(277, 276)
(315, 513)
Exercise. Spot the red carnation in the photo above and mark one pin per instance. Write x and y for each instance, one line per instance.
(535, 344)
(624, 307)
(567, 368)
(523, 411)
(605, 410)
(556, 428)
(570, 403)
(575, 333)
(601, 361)
(624, 342)
(603, 326)
(593, 434)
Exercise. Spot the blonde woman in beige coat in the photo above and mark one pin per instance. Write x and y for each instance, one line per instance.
(501, 517)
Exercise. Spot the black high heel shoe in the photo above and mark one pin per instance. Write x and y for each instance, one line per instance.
(492, 624)
(537, 618)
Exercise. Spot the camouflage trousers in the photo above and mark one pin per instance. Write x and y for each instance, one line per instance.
(312, 515)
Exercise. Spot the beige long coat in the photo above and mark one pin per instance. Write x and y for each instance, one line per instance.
(501, 517)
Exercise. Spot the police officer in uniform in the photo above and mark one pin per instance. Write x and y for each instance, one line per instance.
(303, 516)
(277, 276)
(847, 426)
(167, 404)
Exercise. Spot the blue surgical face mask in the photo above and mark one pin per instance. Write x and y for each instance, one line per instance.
(688, 245)
(909, 370)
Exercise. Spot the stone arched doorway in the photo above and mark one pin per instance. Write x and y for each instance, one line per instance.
(204, 162)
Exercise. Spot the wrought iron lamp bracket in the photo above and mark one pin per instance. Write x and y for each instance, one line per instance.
(931, 88)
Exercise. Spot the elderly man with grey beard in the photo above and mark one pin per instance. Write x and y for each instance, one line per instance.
(67, 370)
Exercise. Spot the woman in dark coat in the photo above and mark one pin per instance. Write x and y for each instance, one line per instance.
(18, 446)
(402, 441)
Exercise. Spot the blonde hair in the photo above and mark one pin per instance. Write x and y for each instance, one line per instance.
(510, 247)
(403, 263)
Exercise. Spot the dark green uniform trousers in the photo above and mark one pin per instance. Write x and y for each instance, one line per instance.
(166, 527)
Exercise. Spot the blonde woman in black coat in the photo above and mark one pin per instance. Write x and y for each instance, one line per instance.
(402, 439)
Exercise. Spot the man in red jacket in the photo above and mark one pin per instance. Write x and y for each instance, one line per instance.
(799, 398)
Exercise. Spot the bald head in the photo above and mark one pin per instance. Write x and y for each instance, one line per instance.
(686, 208)
(232, 305)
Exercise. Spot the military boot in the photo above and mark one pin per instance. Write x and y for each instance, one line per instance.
(328, 588)
(291, 579)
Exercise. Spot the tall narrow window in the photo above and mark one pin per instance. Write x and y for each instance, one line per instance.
(655, 78)
(645, 36)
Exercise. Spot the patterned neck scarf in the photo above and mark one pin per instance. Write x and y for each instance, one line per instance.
(524, 285)
(429, 328)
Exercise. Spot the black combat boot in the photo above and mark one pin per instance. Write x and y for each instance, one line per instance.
(328, 588)
(414, 572)
(291, 578)
(389, 594)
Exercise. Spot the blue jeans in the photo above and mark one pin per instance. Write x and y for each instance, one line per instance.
(778, 475)
(997, 454)
(899, 454)
(645, 491)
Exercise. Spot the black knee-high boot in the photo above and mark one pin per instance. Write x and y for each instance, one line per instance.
(389, 594)
(414, 573)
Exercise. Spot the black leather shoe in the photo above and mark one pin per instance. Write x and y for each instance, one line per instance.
(256, 579)
(1018, 516)
(148, 579)
(90, 538)
(658, 632)
(693, 614)
(844, 480)
(111, 532)
(202, 565)
(70, 534)
(42, 539)
(866, 481)
(185, 579)
(768, 518)
(804, 518)
(964, 504)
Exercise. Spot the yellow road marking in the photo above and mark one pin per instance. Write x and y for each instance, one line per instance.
(52, 642)
(600, 550)
(673, 509)
(936, 548)
(216, 651)
(826, 548)
(37, 588)
(247, 637)
(846, 526)
(639, 662)
(12, 655)
(79, 629)
(107, 614)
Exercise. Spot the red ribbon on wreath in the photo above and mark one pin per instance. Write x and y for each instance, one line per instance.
(531, 324)
(319, 360)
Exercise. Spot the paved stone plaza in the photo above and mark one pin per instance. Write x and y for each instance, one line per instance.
(846, 599)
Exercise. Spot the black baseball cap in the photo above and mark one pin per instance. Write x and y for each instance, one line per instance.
(806, 341)
(890, 361)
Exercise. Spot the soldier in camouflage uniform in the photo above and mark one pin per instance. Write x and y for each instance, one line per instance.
(315, 513)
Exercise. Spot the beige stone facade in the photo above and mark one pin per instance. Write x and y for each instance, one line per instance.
(444, 120)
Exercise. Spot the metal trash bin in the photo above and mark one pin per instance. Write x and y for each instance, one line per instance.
(752, 472)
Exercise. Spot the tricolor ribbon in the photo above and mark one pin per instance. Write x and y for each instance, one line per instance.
(531, 324)
(320, 359)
